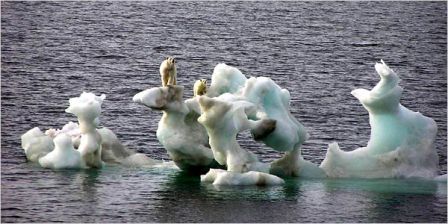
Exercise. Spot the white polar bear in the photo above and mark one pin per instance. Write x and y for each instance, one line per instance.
(168, 71)
(200, 87)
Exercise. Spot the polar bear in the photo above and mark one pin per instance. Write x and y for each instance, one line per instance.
(168, 71)
(200, 87)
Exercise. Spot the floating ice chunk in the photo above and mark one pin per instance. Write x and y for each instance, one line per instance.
(401, 142)
(36, 144)
(222, 177)
(63, 156)
(185, 140)
(96, 146)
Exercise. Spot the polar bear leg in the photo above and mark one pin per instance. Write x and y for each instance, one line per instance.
(165, 79)
(171, 79)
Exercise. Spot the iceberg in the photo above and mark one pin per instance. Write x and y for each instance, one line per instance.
(401, 141)
(58, 148)
(200, 133)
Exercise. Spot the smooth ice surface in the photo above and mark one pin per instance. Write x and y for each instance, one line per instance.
(401, 142)
(223, 177)
(63, 156)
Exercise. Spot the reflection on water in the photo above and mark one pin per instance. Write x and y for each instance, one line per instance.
(312, 200)
(168, 195)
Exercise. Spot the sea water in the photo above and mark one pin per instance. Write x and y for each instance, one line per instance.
(319, 51)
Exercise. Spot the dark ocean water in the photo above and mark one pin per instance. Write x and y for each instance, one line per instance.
(319, 51)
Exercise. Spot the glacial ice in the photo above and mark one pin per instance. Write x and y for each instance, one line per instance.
(207, 126)
(262, 101)
(200, 134)
(401, 142)
(52, 149)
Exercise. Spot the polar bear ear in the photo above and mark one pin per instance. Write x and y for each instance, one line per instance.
(166, 58)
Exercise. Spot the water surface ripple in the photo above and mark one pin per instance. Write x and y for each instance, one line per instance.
(319, 51)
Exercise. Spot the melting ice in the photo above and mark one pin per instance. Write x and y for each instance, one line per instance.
(199, 134)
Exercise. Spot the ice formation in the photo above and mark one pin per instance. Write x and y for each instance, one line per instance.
(206, 126)
(265, 101)
(87, 108)
(222, 177)
(200, 133)
(63, 156)
(401, 142)
(223, 121)
(185, 140)
(52, 150)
